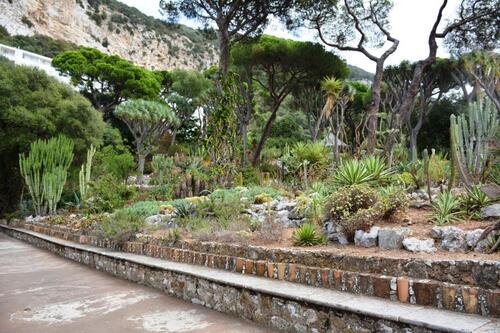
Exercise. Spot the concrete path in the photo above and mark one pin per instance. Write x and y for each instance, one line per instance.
(42, 292)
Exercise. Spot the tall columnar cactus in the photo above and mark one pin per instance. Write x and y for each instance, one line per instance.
(470, 135)
(426, 162)
(85, 173)
(45, 171)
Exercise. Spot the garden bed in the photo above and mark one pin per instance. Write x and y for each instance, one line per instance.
(441, 282)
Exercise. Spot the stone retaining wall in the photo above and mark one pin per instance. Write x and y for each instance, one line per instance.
(276, 312)
(476, 291)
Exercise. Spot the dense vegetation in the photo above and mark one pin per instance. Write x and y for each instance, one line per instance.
(35, 106)
(277, 122)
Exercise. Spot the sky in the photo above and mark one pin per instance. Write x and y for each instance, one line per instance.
(411, 21)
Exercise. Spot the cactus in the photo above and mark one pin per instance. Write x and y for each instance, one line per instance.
(45, 170)
(469, 140)
(85, 173)
(426, 162)
(162, 168)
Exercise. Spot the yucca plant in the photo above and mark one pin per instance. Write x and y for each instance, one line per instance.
(308, 235)
(473, 201)
(377, 168)
(183, 209)
(351, 172)
(446, 209)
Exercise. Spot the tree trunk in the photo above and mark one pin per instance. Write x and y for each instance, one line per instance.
(244, 135)
(265, 135)
(316, 129)
(223, 38)
(140, 168)
(375, 106)
(407, 104)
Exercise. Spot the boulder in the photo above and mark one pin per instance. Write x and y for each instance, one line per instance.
(472, 239)
(281, 217)
(391, 239)
(451, 238)
(366, 239)
(491, 211)
(413, 244)
(491, 190)
(296, 215)
(418, 203)
(335, 233)
(284, 204)
(160, 220)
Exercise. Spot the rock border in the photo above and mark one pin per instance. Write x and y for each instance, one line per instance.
(281, 305)
(438, 294)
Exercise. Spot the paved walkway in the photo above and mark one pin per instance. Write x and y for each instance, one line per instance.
(42, 292)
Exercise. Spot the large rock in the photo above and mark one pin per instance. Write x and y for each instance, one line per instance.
(285, 204)
(391, 239)
(491, 211)
(472, 239)
(281, 216)
(335, 233)
(451, 238)
(296, 215)
(413, 244)
(159, 220)
(366, 239)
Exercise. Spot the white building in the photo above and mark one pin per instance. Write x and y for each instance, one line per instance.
(22, 57)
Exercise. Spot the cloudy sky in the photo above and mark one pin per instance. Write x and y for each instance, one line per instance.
(411, 21)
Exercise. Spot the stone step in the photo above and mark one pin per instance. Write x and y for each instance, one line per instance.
(279, 304)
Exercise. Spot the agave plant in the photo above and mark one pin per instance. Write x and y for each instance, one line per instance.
(183, 209)
(377, 168)
(308, 235)
(351, 172)
(474, 200)
(446, 209)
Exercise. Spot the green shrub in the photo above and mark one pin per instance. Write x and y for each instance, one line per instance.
(446, 209)
(348, 200)
(473, 201)
(392, 200)
(121, 226)
(107, 194)
(147, 208)
(308, 235)
(36, 106)
(112, 161)
(354, 208)
(262, 198)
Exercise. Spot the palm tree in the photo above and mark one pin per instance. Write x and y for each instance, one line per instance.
(332, 88)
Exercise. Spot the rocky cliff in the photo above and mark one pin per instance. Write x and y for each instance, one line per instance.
(113, 27)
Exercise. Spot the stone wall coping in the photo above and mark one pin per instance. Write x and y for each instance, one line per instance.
(435, 319)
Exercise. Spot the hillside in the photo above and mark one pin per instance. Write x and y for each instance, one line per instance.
(48, 27)
(359, 74)
(109, 26)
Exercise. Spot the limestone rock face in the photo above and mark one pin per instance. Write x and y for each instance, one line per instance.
(71, 21)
